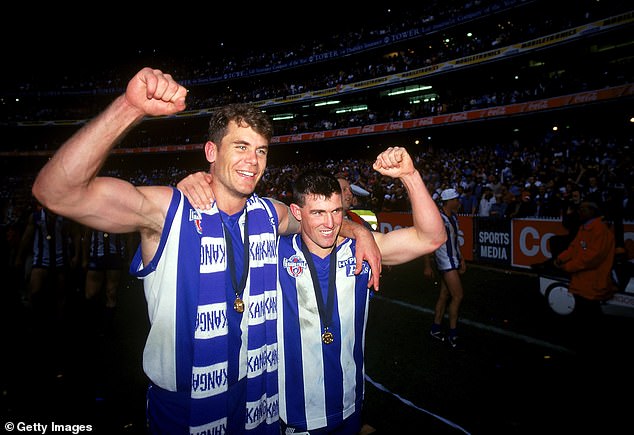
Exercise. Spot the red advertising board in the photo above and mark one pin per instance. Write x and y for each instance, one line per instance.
(388, 221)
(528, 237)
(530, 240)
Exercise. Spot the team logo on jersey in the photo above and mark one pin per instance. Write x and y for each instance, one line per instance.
(294, 266)
(194, 215)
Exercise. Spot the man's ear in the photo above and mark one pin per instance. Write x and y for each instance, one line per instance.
(296, 210)
(211, 151)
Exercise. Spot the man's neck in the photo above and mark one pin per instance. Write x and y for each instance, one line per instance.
(319, 251)
(232, 206)
(228, 201)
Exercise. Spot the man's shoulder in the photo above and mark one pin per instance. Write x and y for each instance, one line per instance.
(268, 204)
(161, 195)
(287, 239)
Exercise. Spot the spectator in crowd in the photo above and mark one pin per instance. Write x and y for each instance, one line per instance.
(395, 198)
(435, 192)
(184, 349)
(468, 202)
(494, 183)
(322, 319)
(499, 207)
(486, 201)
(524, 207)
(547, 201)
(450, 264)
(593, 191)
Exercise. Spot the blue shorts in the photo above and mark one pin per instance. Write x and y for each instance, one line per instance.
(350, 426)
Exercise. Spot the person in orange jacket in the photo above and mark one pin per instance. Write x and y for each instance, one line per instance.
(589, 259)
(590, 256)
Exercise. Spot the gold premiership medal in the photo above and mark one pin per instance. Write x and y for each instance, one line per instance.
(238, 305)
(327, 337)
(48, 237)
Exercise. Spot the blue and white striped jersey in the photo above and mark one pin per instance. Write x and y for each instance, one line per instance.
(448, 255)
(320, 384)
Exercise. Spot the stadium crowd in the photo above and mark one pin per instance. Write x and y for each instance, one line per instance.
(516, 179)
(209, 75)
(529, 179)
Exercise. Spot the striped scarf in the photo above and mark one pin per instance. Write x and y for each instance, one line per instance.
(213, 373)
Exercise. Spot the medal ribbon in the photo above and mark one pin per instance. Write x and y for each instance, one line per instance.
(325, 312)
(230, 257)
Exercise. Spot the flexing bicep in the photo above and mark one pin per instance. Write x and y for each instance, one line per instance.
(402, 245)
(116, 206)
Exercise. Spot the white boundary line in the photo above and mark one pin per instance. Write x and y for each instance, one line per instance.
(411, 405)
(510, 334)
